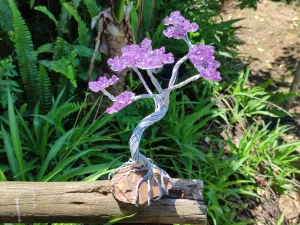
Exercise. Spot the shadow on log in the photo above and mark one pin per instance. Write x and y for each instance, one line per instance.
(93, 202)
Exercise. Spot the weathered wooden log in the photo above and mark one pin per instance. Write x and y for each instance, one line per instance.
(93, 202)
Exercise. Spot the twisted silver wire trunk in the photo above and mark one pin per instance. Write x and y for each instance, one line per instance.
(161, 101)
(161, 108)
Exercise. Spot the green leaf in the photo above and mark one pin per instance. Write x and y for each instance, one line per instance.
(92, 7)
(63, 66)
(32, 2)
(25, 54)
(266, 113)
(85, 51)
(61, 165)
(118, 219)
(68, 174)
(45, 90)
(46, 48)
(44, 10)
(226, 54)
(53, 153)
(11, 157)
(6, 17)
(15, 136)
(61, 48)
(83, 31)
(134, 20)
(25, 126)
(2, 176)
(65, 110)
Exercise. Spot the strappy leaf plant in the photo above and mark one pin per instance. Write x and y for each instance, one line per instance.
(43, 150)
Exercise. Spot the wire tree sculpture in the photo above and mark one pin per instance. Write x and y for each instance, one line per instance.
(143, 57)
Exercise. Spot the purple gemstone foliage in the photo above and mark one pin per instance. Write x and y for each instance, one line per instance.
(122, 100)
(179, 26)
(142, 57)
(202, 56)
(102, 83)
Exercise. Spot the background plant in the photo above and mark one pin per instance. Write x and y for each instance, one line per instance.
(7, 74)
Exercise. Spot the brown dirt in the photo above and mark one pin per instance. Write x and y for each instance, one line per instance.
(272, 50)
(269, 208)
(272, 41)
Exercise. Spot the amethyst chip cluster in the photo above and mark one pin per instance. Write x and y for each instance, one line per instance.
(179, 26)
(202, 56)
(122, 100)
(142, 57)
(102, 83)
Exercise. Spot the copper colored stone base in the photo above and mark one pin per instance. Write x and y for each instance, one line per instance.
(124, 188)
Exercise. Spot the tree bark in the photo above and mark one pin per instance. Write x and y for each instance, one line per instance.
(112, 37)
(93, 202)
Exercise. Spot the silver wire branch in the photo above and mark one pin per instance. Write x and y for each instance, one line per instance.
(110, 96)
(136, 98)
(142, 79)
(154, 81)
(183, 83)
(179, 62)
(187, 40)
(175, 70)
